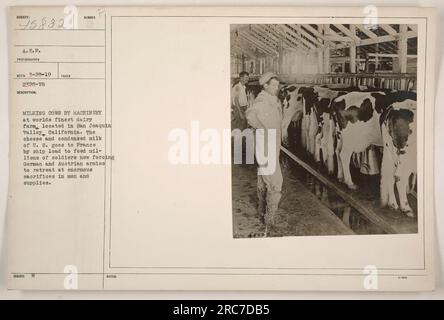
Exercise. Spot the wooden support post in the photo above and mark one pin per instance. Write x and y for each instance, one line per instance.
(327, 67)
(402, 50)
(320, 61)
(353, 51)
(353, 59)
(281, 55)
(402, 47)
(324, 29)
(377, 57)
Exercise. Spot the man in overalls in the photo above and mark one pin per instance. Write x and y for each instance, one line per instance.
(239, 100)
(266, 113)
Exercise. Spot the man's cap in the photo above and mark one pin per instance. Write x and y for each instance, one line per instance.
(266, 77)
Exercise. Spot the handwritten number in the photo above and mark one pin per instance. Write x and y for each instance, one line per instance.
(43, 23)
(51, 24)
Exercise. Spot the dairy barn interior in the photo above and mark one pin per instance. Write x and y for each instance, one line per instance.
(338, 59)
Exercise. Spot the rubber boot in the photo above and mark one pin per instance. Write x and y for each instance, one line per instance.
(261, 196)
(273, 199)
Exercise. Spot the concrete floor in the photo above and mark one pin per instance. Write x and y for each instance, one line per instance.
(300, 212)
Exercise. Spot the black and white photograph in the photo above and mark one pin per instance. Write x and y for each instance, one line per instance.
(341, 100)
(256, 149)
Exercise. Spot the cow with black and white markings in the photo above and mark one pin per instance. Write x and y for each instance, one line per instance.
(398, 128)
(317, 129)
(291, 100)
(357, 116)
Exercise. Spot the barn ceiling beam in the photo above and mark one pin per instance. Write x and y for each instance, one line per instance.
(256, 40)
(347, 32)
(317, 34)
(338, 38)
(259, 37)
(372, 56)
(287, 30)
(258, 44)
(294, 44)
(334, 36)
(304, 33)
(390, 55)
(367, 32)
(265, 40)
(291, 30)
(262, 28)
(382, 39)
(291, 45)
(387, 28)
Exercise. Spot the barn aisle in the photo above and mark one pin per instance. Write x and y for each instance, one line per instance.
(300, 212)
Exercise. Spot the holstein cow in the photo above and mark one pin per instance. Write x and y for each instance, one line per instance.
(357, 116)
(291, 107)
(398, 127)
(317, 129)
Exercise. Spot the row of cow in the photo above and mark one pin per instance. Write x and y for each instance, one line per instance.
(337, 123)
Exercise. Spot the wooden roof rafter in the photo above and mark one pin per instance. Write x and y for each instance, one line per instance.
(389, 29)
(386, 38)
(260, 38)
(290, 45)
(257, 44)
(307, 35)
(347, 32)
(277, 29)
(294, 31)
(367, 31)
(332, 35)
(269, 38)
(265, 40)
(318, 34)
(288, 31)
(269, 32)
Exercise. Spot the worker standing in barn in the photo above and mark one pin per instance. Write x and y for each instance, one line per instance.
(240, 101)
(266, 113)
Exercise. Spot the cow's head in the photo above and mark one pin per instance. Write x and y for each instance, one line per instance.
(310, 97)
(401, 123)
(291, 107)
(291, 100)
(285, 92)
